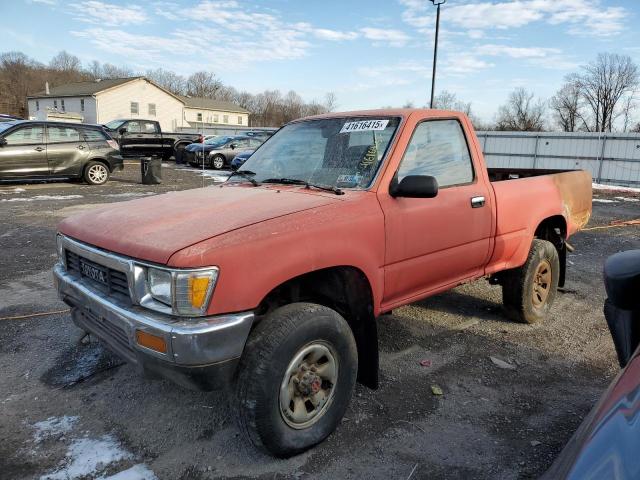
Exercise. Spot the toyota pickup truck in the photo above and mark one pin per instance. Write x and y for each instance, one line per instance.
(144, 138)
(271, 282)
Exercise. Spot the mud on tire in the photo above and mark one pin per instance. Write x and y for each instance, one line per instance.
(284, 373)
(529, 291)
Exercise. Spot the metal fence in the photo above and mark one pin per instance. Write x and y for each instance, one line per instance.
(612, 158)
(224, 130)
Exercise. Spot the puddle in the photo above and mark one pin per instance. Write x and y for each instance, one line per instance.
(79, 364)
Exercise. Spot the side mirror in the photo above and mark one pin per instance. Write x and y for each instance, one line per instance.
(233, 146)
(622, 307)
(3, 142)
(122, 131)
(414, 186)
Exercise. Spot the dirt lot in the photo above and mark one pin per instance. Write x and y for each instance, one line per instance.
(72, 410)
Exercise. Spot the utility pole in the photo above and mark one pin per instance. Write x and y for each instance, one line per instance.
(435, 50)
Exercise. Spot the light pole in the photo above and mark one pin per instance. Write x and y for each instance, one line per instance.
(435, 49)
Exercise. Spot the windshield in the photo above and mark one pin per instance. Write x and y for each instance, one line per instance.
(340, 152)
(218, 141)
(5, 125)
(114, 124)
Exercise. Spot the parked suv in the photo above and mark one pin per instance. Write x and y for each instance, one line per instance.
(219, 153)
(33, 150)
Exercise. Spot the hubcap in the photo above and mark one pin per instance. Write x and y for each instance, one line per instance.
(217, 162)
(97, 173)
(308, 385)
(541, 283)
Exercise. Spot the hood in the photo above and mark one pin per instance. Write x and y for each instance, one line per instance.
(154, 228)
(192, 147)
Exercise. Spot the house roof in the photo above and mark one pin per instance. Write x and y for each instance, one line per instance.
(79, 89)
(210, 104)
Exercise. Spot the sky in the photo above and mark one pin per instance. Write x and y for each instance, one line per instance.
(370, 53)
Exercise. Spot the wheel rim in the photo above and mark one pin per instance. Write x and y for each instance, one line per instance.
(541, 283)
(218, 162)
(308, 385)
(97, 173)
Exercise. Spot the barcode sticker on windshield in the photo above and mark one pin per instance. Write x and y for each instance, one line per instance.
(364, 126)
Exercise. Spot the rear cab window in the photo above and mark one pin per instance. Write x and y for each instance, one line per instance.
(438, 148)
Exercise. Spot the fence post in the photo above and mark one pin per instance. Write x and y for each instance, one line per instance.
(604, 143)
(535, 152)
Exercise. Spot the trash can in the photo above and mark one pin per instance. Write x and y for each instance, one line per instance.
(151, 170)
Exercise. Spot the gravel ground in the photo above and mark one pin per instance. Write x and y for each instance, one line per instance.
(73, 410)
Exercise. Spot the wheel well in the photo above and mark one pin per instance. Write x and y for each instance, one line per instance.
(554, 230)
(99, 160)
(345, 290)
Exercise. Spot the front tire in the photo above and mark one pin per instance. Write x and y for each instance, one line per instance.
(529, 291)
(179, 154)
(295, 378)
(218, 162)
(96, 173)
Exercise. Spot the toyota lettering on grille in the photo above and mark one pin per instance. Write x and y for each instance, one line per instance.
(94, 273)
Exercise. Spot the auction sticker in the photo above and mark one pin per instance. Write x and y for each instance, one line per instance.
(364, 126)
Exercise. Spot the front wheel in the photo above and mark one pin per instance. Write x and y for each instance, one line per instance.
(296, 378)
(96, 173)
(217, 162)
(529, 291)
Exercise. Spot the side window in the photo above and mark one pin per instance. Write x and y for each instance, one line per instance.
(149, 127)
(62, 134)
(199, 116)
(134, 108)
(438, 148)
(152, 109)
(242, 143)
(26, 136)
(133, 127)
(225, 119)
(254, 143)
(91, 135)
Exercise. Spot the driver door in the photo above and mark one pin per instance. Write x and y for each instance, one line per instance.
(24, 154)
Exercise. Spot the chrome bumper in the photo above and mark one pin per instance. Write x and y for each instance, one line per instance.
(197, 348)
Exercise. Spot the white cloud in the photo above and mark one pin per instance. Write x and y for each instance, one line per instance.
(394, 38)
(333, 35)
(515, 52)
(108, 14)
(583, 17)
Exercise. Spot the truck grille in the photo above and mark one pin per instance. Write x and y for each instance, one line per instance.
(116, 282)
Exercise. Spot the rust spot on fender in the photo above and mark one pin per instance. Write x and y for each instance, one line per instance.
(576, 192)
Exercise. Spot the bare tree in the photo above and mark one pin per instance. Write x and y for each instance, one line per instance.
(168, 80)
(17, 79)
(603, 83)
(521, 112)
(628, 107)
(566, 106)
(203, 84)
(330, 101)
(112, 71)
(65, 62)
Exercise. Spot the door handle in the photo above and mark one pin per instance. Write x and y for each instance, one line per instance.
(139, 136)
(477, 202)
(80, 147)
(39, 149)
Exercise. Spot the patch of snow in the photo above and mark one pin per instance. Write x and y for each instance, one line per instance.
(625, 199)
(53, 426)
(9, 192)
(137, 472)
(603, 200)
(598, 186)
(40, 198)
(87, 456)
(128, 194)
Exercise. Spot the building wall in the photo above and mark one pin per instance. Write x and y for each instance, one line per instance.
(213, 117)
(116, 103)
(71, 105)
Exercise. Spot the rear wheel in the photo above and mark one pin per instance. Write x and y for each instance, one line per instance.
(96, 173)
(217, 162)
(296, 378)
(529, 291)
(179, 154)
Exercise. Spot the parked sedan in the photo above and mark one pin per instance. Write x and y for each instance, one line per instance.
(40, 150)
(220, 152)
(607, 443)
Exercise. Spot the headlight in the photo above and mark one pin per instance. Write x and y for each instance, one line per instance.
(178, 292)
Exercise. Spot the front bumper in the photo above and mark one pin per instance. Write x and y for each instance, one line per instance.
(202, 353)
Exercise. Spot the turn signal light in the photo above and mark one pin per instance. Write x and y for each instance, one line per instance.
(152, 342)
(198, 289)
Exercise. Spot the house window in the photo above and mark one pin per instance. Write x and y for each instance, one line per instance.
(55, 104)
(215, 118)
(152, 109)
(82, 104)
(62, 105)
(239, 120)
(37, 105)
(225, 119)
(199, 117)
(134, 108)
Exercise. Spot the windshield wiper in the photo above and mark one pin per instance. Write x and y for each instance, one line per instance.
(246, 174)
(297, 181)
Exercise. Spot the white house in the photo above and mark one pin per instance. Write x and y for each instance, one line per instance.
(101, 101)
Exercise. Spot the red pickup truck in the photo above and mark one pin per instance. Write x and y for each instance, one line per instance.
(272, 282)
